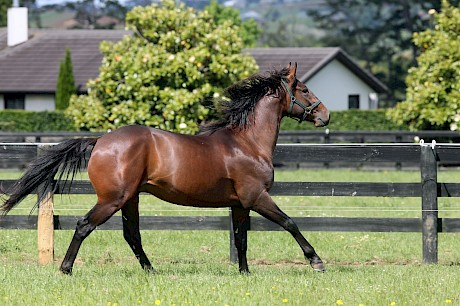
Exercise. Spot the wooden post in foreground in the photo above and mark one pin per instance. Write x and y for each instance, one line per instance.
(45, 223)
(428, 165)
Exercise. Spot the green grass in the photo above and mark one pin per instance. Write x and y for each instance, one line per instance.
(192, 267)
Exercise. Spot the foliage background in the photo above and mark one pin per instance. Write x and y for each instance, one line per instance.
(378, 33)
(359, 120)
(28, 121)
(249, 29)
(350, 120)
(166, 74)
(433, 87)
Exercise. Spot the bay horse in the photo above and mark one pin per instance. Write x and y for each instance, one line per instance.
(227, 164)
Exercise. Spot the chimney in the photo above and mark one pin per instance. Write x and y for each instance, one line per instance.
(18, 24)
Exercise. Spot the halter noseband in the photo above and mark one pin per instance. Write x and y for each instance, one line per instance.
(307, 109)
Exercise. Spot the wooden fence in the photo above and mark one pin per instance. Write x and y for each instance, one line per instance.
(327, 136)
(314, 136)
(429, 189)
(311, 137)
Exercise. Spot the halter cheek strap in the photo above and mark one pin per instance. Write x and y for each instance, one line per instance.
(306, 109)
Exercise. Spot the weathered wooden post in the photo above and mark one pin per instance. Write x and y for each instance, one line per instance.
(45, 222)
(428, 167)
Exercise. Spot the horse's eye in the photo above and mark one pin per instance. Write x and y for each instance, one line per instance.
(305, 90)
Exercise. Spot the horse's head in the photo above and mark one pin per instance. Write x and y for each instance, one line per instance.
(301, 103)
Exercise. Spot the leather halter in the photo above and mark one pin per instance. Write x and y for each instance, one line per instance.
(307, 109)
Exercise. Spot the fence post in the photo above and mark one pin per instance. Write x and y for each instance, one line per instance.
(327, 139)
(45, 222)
(233, 251)
(428, 167)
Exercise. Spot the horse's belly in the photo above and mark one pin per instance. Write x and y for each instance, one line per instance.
(189, 170)
(207, 194)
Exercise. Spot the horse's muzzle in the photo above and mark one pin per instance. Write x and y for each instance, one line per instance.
(319, 122)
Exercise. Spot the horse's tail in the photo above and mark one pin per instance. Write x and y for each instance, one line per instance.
(65, 158)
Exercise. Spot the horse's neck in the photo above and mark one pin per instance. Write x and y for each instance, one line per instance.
(265, 125)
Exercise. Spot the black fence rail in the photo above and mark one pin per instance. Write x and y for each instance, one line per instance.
(19, 159)
(427, 156)
(42, 137)
(327, 136)
(315, 136)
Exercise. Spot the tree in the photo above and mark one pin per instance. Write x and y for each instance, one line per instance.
(65, 86)
(113, 8)
(34, 12)
(288, 27)
(249, 29)
(88, 13)
(378, 33)
(433, 88)
(164, 75)
(4, 5)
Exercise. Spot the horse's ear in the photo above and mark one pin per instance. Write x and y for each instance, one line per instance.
(292, 71)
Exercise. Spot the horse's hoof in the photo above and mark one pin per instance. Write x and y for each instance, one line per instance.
(66, 271)
(245, 272)
(149, 269)
(318, 266)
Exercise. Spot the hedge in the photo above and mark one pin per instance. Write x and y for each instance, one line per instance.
(28, 121)
(350, 120)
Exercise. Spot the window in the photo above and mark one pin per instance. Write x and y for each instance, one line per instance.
(14, 101)
(353, 101)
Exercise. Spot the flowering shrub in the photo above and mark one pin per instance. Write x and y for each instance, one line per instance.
(433, 87)
(165, 74)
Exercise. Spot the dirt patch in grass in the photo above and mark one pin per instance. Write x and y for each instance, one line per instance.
(376, 261)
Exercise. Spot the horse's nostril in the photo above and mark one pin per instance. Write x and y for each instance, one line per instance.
(320, 122)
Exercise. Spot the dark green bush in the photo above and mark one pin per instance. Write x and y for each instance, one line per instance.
(7, 126)
(27, 121)
(350, 120)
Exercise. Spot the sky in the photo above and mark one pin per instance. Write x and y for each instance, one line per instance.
(49, 2)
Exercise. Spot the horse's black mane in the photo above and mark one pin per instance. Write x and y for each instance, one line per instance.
(243, 96)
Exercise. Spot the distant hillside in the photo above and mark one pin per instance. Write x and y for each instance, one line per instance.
(58, 18)
(52, 19)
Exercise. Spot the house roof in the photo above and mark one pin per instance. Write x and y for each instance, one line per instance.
(33, 66)
(310, 61)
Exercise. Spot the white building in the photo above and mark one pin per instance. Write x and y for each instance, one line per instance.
(330, 73)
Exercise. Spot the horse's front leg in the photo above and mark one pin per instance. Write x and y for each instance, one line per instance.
(240, 219)
(267, 208)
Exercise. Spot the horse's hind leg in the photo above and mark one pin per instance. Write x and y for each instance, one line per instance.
(131, 232)
(266, 207)
(240, 219)
(95, 217)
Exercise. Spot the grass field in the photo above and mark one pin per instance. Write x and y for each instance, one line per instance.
(193, 268)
